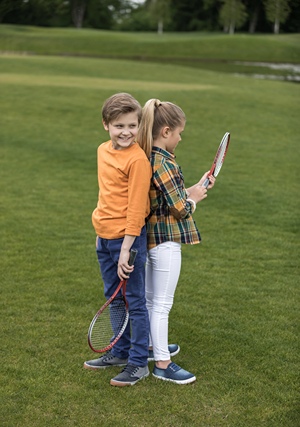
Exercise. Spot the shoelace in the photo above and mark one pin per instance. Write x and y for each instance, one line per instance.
(173, 367)
(131, 369)
(108, 356)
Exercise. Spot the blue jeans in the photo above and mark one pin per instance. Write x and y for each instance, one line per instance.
(134, 342)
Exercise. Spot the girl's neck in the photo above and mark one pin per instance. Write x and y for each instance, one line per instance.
(160, 144)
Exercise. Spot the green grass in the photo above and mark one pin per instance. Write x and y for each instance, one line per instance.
(212, 51)
(236, 307)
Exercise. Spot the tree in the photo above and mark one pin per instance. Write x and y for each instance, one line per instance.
(232, 15)
(160, 11)
(277, 12)
(292, 24)
(254, 10)
(136, 17)
(104, 13)
(7, 6)
(78, 8)
(211, 13)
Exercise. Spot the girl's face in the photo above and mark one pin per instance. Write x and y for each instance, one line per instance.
(123, 130)
(173, 138)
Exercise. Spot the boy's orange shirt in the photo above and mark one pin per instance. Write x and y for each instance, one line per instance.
(124, 181)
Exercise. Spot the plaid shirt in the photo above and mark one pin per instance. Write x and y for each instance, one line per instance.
(171, 215)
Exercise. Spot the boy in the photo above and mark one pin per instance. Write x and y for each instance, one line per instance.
(124, 174)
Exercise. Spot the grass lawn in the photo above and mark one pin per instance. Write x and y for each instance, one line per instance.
(211, 51)
(236, 307)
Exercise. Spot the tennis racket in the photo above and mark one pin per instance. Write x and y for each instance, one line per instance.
(111, 319)
(219, 158)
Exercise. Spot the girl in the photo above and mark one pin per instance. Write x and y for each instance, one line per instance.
(169, 224)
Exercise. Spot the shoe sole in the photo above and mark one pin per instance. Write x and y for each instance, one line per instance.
(151, 359)
(182, 382)
(95, 368)
(124, 384)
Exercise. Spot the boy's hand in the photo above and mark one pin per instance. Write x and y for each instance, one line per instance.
(124, 269)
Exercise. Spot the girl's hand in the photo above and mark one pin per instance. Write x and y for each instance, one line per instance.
(211, 178)
(198, 193)
(212, 181)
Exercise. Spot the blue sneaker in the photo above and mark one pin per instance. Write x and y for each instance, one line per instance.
(174, 373)
(130, 376)
(105, 362)
(173, 349)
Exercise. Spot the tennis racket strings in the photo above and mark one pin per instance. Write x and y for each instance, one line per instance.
(219, 158)
(111, 320)
(110, 325)
(221, 155)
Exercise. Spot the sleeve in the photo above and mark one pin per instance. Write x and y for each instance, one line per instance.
(138, 196)
(169, 180)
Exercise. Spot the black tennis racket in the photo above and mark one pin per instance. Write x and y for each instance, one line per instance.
(219, 158)
(111, 319)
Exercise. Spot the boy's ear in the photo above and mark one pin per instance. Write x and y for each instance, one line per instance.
(105, 125)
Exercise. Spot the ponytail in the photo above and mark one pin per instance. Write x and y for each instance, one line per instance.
(145, 136)
(155, 116)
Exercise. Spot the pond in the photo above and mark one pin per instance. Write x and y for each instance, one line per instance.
(289, 72)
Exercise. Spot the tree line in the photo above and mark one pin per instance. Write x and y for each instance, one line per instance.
(263, 16)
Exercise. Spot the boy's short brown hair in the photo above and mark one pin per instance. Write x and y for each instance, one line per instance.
(120, 103)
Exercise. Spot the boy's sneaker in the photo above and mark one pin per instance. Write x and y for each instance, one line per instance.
(173, 349)
(105, 362)
(174, 373)
(130, 375)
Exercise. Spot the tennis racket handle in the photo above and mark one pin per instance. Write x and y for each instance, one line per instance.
(132, 257)
(206, 183)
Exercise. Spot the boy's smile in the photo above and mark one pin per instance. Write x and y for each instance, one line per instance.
(123, 130)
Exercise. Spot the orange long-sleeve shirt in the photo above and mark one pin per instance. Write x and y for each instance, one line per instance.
(124, 181)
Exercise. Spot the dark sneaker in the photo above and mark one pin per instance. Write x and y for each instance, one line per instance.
(173, 349)
(105, 362)
(130, 375)
(174, 373)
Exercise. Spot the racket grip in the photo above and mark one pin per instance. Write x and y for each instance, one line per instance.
(206, 183)
(132, 257)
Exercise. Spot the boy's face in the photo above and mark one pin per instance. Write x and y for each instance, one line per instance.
(123, 130)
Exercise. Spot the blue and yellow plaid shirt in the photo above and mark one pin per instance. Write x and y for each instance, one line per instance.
(171, 214)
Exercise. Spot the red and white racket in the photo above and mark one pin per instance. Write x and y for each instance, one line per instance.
(219, 158)
(111, 319)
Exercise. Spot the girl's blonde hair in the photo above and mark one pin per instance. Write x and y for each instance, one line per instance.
(156, 115)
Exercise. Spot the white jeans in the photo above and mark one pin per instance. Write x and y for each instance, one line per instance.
(162, 274)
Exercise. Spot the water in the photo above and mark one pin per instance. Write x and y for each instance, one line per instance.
(294, 70)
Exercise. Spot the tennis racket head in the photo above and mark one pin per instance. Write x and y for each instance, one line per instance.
(108, 325)
(221, 153)
(219, 158)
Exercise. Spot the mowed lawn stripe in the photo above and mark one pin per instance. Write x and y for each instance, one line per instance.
(100, 83)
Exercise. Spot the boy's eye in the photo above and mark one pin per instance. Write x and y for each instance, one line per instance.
(120, 126)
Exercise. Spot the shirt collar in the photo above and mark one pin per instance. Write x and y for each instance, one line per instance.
(163, 152)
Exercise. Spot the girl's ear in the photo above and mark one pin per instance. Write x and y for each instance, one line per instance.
(105, 125)
(165, 131)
